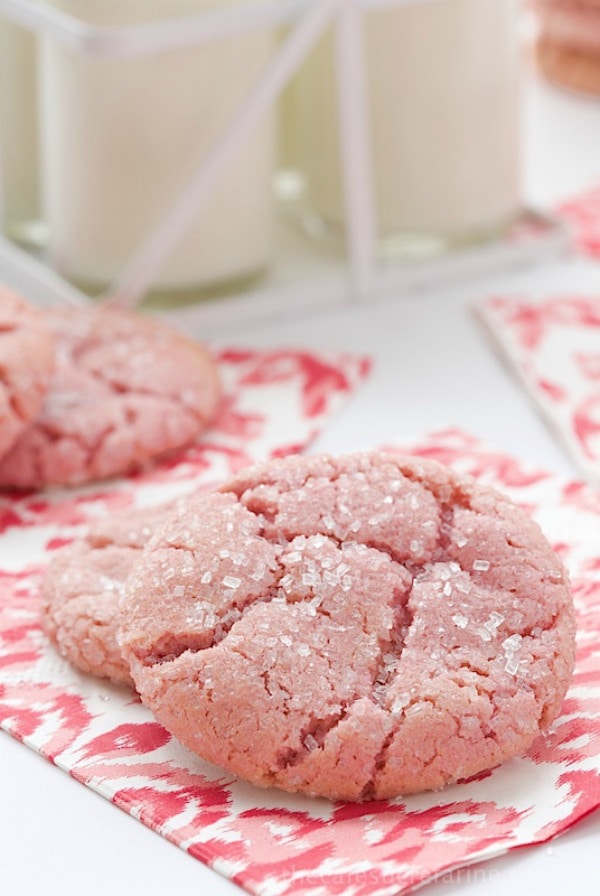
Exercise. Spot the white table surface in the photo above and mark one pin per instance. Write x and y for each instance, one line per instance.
(433, 368)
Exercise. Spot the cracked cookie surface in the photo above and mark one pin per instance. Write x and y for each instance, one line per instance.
(357, 627)
(126, 389)
(26, 362)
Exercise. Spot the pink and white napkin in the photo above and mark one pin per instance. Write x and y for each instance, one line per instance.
(582, 214)
(269, 842)
(553, 346)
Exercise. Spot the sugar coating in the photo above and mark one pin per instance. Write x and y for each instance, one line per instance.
(26, 362)
(125, 390)
(356, 628)
(82, 587)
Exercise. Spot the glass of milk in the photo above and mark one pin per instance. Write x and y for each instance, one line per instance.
(19, 180)
(443, 102)
(120, 137)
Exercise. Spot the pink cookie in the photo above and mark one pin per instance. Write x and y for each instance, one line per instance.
(355, 628)
(26, 362)
(568, 45)
(126, 389)
(82, 587)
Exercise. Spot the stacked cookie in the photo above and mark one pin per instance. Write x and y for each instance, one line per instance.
(355, 627)
(568, 47)
(90, 393)
(26, 362)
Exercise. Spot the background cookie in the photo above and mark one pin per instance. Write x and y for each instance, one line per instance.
(568, 45)
(126, 389)
(26, 361)
(82, 587)
(355, 628)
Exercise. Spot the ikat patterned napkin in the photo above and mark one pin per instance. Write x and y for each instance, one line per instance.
(269, 842)
(582, 214)
(553, 346)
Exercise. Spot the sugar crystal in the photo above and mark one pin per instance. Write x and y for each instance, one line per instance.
(512, 644)
(232, 582)
(460, 620)
(512, 664)
(310, 743)
(494, 620)
(107, 583)
(259, 573)
(481, 565)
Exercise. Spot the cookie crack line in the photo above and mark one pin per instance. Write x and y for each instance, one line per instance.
(378, 764)
(390, 648)
(5, 378)
(392, 645)
(185, 644)
(307, 477)
(313, 736)
(17, 408)
(446, 509)
(458, 496)
(115, 388)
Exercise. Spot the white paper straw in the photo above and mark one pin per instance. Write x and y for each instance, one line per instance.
(353, 112)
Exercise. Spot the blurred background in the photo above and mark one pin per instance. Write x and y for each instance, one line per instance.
(181, 150)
